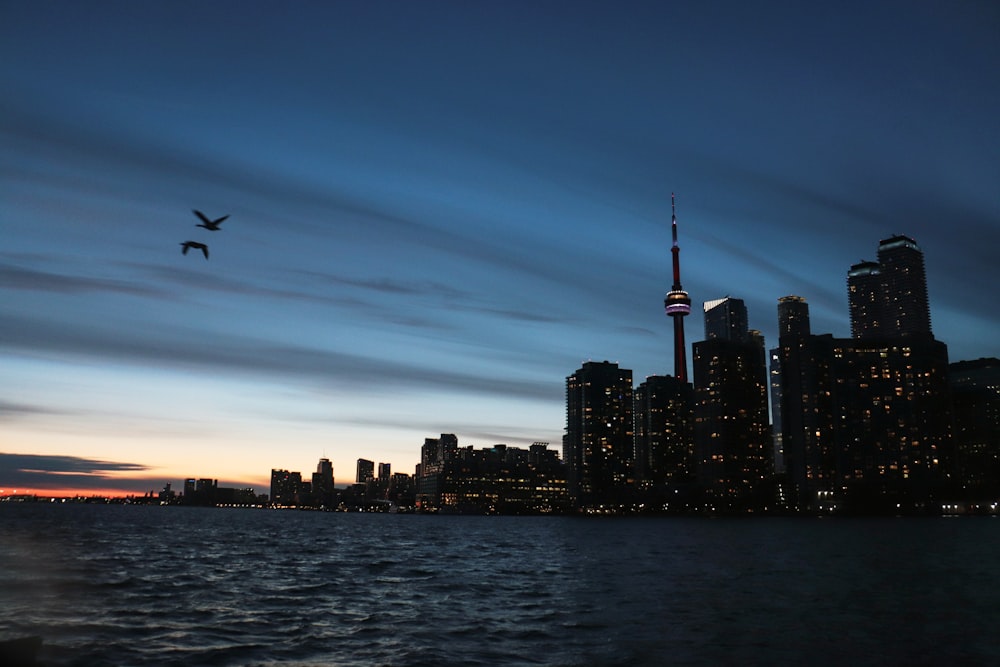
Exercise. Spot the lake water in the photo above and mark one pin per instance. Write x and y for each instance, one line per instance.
(131, 585)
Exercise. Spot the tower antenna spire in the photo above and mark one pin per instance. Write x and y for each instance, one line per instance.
(677, 303)
(673, 216)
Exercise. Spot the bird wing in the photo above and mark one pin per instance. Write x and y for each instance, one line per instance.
(204, 249)
(185, 247)
(220, 220)
(202, 216)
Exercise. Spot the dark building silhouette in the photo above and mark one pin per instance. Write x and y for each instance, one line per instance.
(380, 487)
(777, 439)
(504, 480)
(726, 318)
(733, 448)
(322, 484)
(401, 490)
(865, 421)
(864, 297)
(975, 388)
(664, 438)
(286, 487)
(598, 446)
(677, 303)
(206, 492)
(200, 492)
(225, 495)
(365, 472)
(793, 320)
(793, 316)
(492, 480)
(388, 494)
(888, 298)
(433, 455)
(167, 496)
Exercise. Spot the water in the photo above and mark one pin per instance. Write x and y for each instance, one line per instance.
(123, 585)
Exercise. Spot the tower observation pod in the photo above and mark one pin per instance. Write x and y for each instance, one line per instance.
(677, 303)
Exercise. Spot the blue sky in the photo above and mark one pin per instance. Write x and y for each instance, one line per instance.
(439, 210)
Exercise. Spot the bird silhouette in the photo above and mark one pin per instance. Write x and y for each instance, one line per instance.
(187, 245)
(210, 225)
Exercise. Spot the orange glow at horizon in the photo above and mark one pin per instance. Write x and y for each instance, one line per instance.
(70, 493)
(259, 486)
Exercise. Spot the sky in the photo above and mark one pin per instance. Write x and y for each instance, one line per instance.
(439, 210)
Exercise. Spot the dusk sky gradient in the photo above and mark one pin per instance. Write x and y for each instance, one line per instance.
(439, 210)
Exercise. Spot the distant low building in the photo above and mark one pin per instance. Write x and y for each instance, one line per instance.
(498, 479)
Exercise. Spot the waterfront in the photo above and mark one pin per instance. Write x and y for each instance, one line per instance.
(127, 585)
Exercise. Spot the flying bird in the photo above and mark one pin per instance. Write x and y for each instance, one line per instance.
(187, 245)
(210, 225)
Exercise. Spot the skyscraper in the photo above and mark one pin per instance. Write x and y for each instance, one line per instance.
(285, 487)
(864, 299)
(322, 483)
(889, 297)
(793, 321)
(434, 454)
(733, 448)
(865, 421)
(975, 388)
(905, 307)
(365, 472)
(664, 434)
(599, 439)
(677, 303)
(793, 316)
(726, 318)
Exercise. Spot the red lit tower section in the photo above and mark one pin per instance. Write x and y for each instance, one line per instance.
(677, 303)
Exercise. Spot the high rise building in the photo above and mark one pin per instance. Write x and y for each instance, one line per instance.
(733, 448)
(322, 483)
(365, 472)
(434, 454)
(889, 297)
(975, 389)
(285, 487)
(865, 421)
(793, 316)
(864, 299)
(664, 435)
(906, 310)
(599, 439)
(677, 303)
(726, 318)
(793, 321)
(384, 471)
(505, 480)
(776, 395)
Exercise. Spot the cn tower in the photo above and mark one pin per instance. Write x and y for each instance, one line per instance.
(677, 303)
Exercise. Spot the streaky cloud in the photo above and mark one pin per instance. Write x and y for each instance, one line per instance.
(29, 122)
(14, 410)
(259, 358)
(389, 285)
(55, 472)
(65, 464)
(16, 277)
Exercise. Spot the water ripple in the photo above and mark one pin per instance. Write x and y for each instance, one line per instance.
(118, 585)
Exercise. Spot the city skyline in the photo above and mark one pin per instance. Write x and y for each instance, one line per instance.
(438, 211)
